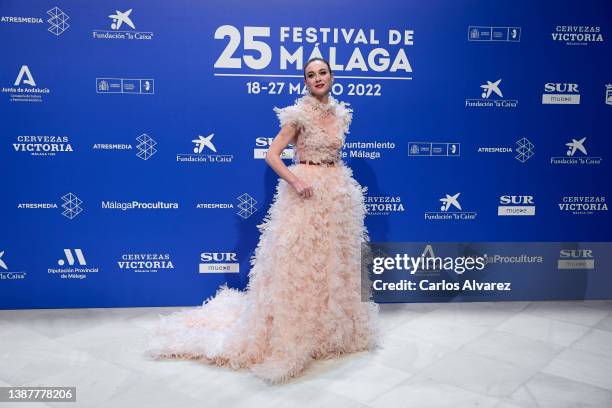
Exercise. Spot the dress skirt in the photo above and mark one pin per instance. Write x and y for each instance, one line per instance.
(303, 300)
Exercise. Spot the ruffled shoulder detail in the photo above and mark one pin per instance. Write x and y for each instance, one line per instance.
(292, 114)
(345, 115)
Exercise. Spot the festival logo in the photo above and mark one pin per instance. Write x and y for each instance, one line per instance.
(272, 57)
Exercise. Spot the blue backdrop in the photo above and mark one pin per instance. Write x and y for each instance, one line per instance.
(112, 196)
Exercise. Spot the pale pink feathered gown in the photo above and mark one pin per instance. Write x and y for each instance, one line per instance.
(303, 300)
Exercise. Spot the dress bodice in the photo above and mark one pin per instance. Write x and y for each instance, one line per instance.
(322, 127)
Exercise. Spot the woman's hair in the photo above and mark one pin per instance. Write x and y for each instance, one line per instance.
(317, 59)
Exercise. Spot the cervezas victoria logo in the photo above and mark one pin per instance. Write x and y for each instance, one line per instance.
(383, 204)
(577, 34)
(145, 262)
(583, 205)
(42, 145)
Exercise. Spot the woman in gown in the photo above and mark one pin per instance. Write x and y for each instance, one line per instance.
(303, 299)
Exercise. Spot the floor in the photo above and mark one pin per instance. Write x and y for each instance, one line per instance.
(502, 355)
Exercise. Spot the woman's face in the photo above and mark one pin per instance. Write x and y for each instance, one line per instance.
(318, 78)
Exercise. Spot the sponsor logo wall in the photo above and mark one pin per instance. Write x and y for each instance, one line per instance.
(133, 138)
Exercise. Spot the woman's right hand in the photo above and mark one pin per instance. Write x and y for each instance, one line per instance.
(303, 189)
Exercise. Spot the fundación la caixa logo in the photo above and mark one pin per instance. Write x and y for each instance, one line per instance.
(6, 273)
(122, 27)
(491, 97)
(204, 151)
(576, 154)
(450, 210)
(25, 88)
(71, 206)
(58, 20)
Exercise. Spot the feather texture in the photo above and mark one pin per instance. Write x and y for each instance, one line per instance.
(303, 299)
